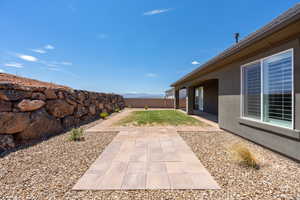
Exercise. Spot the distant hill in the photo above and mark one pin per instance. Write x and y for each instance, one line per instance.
(142, 95)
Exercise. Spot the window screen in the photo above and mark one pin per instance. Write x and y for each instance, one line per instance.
(252, 90)
(278, 80)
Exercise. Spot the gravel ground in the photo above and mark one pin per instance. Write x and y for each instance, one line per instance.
(49, 170)
(278, 178)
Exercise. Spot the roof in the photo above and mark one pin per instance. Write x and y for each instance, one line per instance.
(288, 17)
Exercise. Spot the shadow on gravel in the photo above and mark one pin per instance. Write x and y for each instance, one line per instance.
(26, 144)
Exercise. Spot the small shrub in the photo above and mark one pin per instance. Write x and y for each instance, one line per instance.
(146, 107)
(242, 154)
(104, 115)
(117, 110)
(76, 134)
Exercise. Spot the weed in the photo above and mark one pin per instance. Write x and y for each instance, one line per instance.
(76, 134)
(242, 154)
(104, 115)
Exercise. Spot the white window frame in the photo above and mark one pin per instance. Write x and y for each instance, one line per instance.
(262, 90)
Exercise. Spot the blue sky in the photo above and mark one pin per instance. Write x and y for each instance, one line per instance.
(122, 46)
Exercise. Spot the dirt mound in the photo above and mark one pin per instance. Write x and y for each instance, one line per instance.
(9, 78)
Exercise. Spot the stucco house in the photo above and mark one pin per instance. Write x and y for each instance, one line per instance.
(253, 87)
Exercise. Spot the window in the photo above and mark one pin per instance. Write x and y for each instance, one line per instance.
(267, 90)
(199, 98)
(252, 91)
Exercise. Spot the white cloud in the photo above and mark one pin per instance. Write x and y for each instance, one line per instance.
(157, 11)
(16, 65)
(2, 71)
(55, 64)
(27, 58)
(151, 75)
(41, 51)
(195, 63)
(50, 47)
(66, 63)
(102, 36)
(54, 69)
(50, 64)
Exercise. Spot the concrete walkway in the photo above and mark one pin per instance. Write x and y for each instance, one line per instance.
(145, 158)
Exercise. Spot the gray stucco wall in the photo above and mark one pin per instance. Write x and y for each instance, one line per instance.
(211, 103)
(229, 104)
(210, 97)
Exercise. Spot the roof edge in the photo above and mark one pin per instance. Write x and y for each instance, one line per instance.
(266, 30)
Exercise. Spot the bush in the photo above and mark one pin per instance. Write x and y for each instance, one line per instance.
(117, 110)
(76, 134)
(103, 115)
(242, 154)
(146, 107)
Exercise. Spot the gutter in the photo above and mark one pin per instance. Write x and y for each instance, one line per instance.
(288, 17)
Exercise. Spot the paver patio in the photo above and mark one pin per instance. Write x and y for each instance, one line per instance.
(146, 158)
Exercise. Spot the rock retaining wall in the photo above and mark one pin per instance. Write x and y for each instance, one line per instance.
(28, 113)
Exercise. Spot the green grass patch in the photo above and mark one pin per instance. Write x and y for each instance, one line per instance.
(159, 117)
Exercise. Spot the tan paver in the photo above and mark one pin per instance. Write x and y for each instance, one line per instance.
(146, 158)
(181, 181)
(113, 178)
(134, 181)
(156, 180)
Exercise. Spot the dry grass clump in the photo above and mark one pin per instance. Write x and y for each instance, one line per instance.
(241, 153)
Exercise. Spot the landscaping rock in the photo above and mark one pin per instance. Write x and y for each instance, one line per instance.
(69, 122)
(6, 142)
(100, 106)
(42, 124)
(5, 106)
(39, 96)
(81, 96)
(92, 109)
(81, 110)
(30, 105)
(71, 100)
(13, 95)
(87, 102)
(59, 108)
(61, 95)
(87, 118)
(50, 94)
(32, 112)
(109, 108)
(11, 123)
